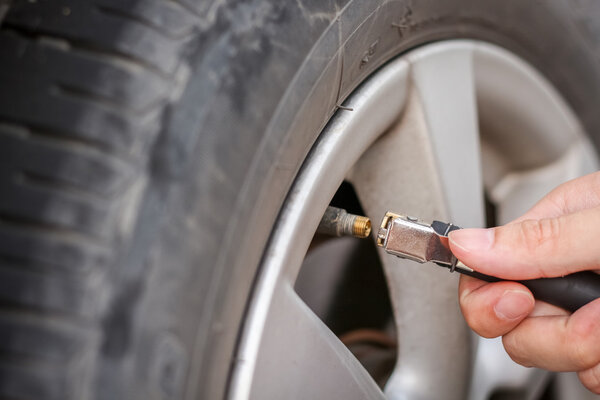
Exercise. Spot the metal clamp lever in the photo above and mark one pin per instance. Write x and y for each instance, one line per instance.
(410, 238)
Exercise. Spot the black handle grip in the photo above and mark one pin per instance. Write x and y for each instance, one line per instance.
(570, 292)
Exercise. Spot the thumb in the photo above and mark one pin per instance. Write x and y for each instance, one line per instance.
(532, 248)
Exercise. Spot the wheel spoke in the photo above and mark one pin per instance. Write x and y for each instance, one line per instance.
(443, 80)
(530, 145)
(301, 358)
(516, 192)
(433, 341)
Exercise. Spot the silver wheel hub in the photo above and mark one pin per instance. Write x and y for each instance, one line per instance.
(428, 134)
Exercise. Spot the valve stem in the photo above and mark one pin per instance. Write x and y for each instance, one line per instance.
(338, 222)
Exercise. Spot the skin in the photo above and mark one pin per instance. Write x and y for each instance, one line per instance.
(558, 236)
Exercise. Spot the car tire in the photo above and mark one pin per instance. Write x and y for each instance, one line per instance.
(146, 147)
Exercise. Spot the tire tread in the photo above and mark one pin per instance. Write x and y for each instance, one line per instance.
(85, 86)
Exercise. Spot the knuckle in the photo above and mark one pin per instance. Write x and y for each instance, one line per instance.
(535, 233)
(515, 349)
(591, 378)
(584, 350)
(580, 356)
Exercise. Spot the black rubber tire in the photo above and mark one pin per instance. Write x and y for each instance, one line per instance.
(146, 147)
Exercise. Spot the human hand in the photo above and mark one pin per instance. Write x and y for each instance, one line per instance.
(558, 236)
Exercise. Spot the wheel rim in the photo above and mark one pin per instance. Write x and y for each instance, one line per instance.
(428, 163)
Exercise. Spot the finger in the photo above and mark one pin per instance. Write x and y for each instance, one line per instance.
(532, 248)
(591, 378)
(543, 309)
(557, 343)
(493, 309)
(575, 195)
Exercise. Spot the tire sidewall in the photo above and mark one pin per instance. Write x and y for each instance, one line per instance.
(264, 80)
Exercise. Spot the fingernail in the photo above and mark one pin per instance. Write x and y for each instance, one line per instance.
(472, 240)
(513, 304)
